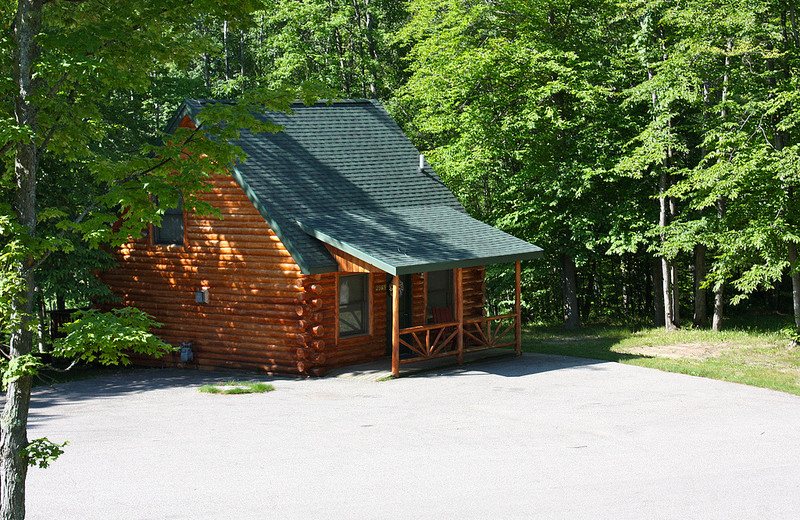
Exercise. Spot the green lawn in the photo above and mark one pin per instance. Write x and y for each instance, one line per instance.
(755, 354)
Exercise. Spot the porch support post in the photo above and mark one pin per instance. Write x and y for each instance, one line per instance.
(396, 325)
(518, 307)
(459, 297)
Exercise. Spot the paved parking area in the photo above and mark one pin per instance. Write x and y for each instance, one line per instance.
(531, 437)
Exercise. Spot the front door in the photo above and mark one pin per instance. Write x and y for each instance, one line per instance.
(406, 299)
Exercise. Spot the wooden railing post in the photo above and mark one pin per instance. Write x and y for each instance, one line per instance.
(518, 307)
(396, 325)
(459, 297)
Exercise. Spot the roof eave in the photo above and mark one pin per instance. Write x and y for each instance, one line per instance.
(469, 262)
(418, 268)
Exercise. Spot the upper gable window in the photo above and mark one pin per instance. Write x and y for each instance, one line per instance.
(170, 232)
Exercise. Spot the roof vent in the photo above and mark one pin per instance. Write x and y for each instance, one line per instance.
(421, 163)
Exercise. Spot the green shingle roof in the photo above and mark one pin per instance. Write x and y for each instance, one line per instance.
(417, 238)
(345, 174)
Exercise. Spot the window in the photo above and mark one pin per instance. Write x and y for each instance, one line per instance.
(170, 232)
(353, 304)
(440, 290)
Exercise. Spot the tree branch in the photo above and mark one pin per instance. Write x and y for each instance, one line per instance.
(129, 178)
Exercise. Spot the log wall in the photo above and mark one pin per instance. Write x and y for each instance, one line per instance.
(261, 308)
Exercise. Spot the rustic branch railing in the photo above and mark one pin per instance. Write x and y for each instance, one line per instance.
(438, 339)
(429, 341)
(489, 331)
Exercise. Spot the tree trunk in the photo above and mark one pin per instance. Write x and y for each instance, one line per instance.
(589, 293)
(700, 318)
(242, 42)
(372, 49)
(716, 320)
(570, 291)
(666, 267)
(658, 294)
(206, 57)
(676, 297)
(795, 282)
(14, 418)
(225, 50)
(624, 276)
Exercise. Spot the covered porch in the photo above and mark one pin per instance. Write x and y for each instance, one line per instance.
(461, 335)
(421, 241)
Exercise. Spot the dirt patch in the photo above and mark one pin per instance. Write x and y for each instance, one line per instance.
(679, 350)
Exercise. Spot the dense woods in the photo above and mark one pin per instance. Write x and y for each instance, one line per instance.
(650, 147)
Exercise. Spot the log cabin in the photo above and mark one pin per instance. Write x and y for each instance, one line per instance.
(336, 244)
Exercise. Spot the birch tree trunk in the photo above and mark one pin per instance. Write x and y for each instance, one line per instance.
(666, 267)
(716, 320)
(719, 300)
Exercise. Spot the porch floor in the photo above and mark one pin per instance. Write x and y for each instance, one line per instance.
(382, 368)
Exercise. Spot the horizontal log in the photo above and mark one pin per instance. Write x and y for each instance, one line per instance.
(140, 292)
(231, 216)
(243, 246)
(272, 331)
(213, 344)
(193, 282)
(224, 336)
(262, 367)
(207, 255)
(262, 315)
(235, 287)
(245, 305)
(265, 350)
(224, 270)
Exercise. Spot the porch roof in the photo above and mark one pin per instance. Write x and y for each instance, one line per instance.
(416, 239)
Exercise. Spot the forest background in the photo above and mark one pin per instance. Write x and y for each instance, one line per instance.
(650, 147)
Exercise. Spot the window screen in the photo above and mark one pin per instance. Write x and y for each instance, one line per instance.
(440, 290)
(353, 301)
(171, 229)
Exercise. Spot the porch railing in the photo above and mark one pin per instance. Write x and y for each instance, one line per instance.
(429, 341)
(489, 332)
(439, 339)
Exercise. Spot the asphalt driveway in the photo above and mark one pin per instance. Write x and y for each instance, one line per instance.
(534, 437)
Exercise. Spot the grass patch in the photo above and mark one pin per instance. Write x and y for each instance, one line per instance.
(237, 387)
(755, 354)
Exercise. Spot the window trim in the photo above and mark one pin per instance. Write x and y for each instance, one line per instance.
(366, 329)
(172, 212)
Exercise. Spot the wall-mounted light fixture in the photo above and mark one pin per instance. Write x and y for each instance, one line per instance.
(202, 295)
